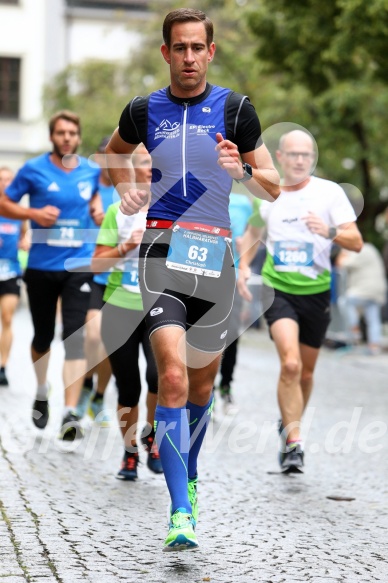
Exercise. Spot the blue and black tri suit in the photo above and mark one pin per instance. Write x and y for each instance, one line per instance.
(47, 276)
(191, 190)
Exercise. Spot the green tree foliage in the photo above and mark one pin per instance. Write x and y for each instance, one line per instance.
(97, 91)
(331, 60)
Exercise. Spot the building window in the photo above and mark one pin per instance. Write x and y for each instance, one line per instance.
(9, 87)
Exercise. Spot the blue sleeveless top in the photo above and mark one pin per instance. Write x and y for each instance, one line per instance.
(187, 182)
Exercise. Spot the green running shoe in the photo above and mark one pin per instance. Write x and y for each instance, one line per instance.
(181, 535)
(83, 402)
(192, 495)
(192, 491)
(97, 412)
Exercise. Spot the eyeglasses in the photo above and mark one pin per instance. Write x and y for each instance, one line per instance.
(295, 155)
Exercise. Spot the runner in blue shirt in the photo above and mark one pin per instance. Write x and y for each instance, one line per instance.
(200, 137)
(63, 193)
(12, 237)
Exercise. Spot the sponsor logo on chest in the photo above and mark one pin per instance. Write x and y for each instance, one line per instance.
(85, 190)
(53, 187)
(167, 130)
(201, 130)
(8, 229)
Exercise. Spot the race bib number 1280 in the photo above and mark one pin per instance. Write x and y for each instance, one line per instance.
(290, 255)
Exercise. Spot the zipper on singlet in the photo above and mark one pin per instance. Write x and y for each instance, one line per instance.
(186, 105)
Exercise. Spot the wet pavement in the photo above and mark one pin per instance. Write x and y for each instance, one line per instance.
(65, 518)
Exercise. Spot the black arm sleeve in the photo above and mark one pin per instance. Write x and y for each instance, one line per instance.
(132, 124)
(242, 124)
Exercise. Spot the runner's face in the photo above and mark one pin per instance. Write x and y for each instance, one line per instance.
(143, 168)
(188, 57)
(101, 160)
(296, 159)
(65, 138)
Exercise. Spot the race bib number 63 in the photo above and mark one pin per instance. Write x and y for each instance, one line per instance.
(196, 252)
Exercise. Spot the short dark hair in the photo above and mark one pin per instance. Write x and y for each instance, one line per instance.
(103, 144)
(68, 116)
(186, 15)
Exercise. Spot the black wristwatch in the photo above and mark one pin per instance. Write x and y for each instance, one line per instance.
(247, 168)
(332, 233)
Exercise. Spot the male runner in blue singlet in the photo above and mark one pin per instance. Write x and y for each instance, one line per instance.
(200, 137)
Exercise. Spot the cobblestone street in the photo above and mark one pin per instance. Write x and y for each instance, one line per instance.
(65, 518)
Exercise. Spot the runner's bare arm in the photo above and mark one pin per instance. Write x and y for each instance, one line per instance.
(45, 216)
(265, 180)
(348, 235)
(248, 246)
(121, 172)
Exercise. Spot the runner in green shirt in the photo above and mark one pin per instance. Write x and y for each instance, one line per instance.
(123, 328)
(301, 224)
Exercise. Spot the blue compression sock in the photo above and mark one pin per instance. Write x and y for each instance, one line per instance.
(173, 439)
(199, 418)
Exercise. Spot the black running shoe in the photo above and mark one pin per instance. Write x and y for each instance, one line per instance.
(291, 461)
(128, 470)
(3, 378)
(71, 428)
(153, 459)
(282, 441)
(40, 413)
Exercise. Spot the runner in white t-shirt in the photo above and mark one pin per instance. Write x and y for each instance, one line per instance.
(309, 213)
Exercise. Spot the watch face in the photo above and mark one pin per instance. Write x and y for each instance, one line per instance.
(247, 169)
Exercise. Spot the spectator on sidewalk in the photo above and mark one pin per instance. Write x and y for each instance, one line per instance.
(381, 225)
(365, 294)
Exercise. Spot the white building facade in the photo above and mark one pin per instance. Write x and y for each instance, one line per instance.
(39, 39)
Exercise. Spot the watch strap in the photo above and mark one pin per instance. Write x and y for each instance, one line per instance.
(247, 173)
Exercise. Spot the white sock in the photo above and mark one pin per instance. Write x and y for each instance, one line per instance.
(67, 410)
(42, 391)
(290, 445)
